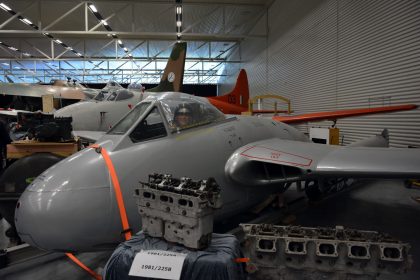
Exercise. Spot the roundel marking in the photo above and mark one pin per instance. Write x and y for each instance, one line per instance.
(171, 77)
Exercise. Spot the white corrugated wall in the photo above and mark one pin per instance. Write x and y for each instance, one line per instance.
(341, 54)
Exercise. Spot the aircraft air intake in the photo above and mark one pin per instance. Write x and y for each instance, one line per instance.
(256, 173)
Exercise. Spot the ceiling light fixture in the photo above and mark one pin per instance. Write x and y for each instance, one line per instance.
(25, 20)
(5, 7)
(93, 8)
(178, 19)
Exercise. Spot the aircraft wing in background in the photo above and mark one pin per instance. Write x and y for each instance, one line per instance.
(275, 161)
(236, 102)
(11, 112)
(35, 90)
(333, 115)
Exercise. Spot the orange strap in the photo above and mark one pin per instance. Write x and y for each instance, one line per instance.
(241, 260)
(121, 207)
(117, 189)
(79, 263)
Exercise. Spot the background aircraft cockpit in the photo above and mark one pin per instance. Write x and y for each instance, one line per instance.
(101, 95)
(119, 95)
(135, 86)
(109, 88)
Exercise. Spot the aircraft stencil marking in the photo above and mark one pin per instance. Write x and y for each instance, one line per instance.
(259, 152)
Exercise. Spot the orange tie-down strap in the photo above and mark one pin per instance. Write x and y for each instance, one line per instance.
(79, 263)
(120, 202)
(241, 260)
(117, 189)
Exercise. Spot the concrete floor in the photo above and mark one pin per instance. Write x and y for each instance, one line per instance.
(384, 206)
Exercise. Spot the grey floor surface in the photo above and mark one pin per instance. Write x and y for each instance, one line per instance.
(384, 206)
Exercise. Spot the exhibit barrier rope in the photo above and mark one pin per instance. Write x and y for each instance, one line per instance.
(121, 206)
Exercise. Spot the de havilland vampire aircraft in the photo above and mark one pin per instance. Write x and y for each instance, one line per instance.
(72, 206)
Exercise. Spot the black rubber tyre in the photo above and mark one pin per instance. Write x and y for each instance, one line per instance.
(18, 176)
(312, 190)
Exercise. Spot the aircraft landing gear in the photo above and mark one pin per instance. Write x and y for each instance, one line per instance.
(317, 189)
(312, 190)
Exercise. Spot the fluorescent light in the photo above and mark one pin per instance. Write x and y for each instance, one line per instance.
(46, 33)
(93, 8)
(179, 10)
(5, 7)
(4, 63)
(178, 23)
(120, 42)
(130, 55)
(13, 48)
(26, 54)
(125, 49)
(69, 48)
(58, 41)
(178, 34)
(104, 22)
(27, 21)
(79, 54)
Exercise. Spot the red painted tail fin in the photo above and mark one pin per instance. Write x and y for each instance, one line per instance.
(236, 101)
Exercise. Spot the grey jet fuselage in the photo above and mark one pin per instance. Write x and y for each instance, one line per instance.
(74, 206)
(94, 115)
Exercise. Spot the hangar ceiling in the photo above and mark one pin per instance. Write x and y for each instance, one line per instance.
(43, 40)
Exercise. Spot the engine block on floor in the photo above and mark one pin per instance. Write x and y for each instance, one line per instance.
(179, 210)
(279, 252)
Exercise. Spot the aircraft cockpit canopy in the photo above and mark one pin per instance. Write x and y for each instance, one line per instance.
(103, 94)
(135, 86)
(110, 88)
(112, 84)
(179, 111)
(119, 95)
(184, 113)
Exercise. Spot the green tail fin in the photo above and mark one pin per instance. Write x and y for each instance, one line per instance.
(173, 75)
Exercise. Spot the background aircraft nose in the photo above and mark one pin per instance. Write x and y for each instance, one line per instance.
(69, 206)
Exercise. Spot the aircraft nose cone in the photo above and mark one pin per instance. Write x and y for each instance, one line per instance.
(68, 207)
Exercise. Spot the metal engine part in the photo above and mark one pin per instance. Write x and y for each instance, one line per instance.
(179, 210)
(288, 252)
(42, 127)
